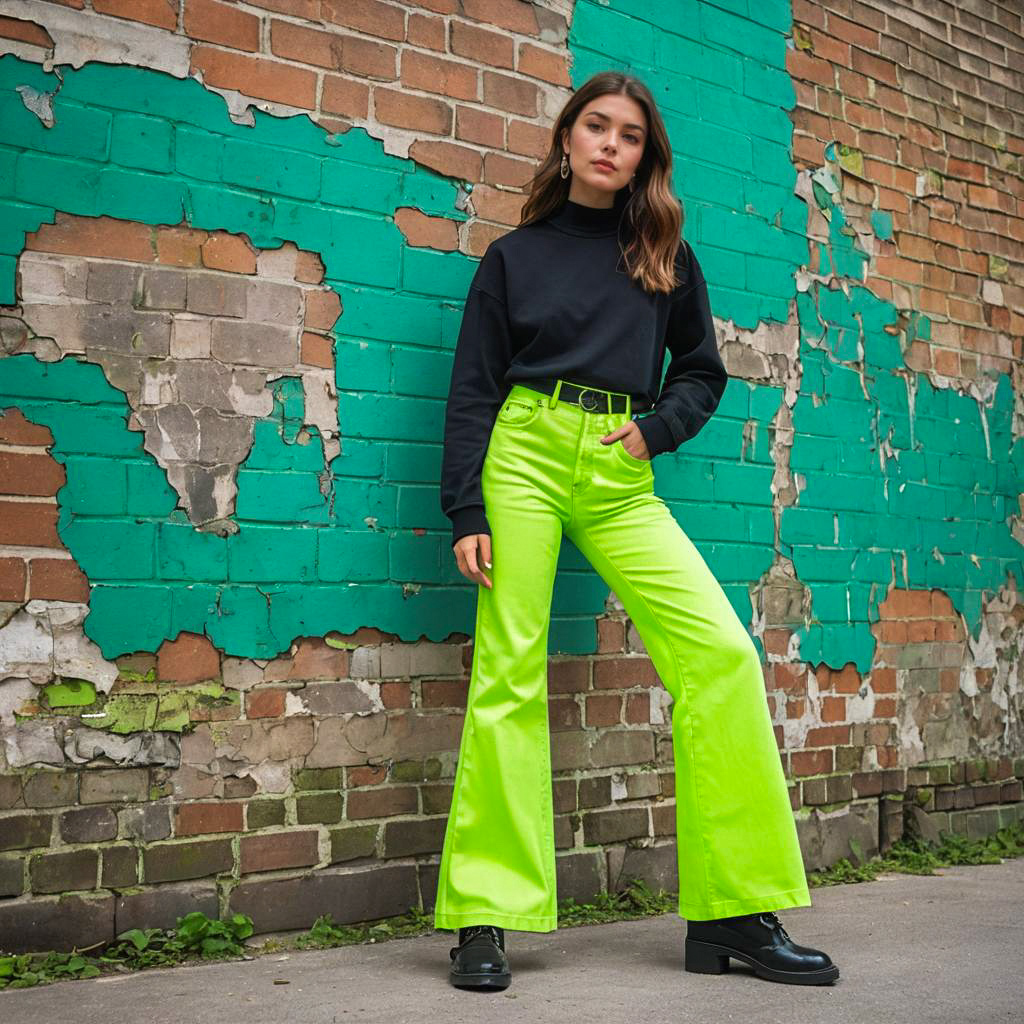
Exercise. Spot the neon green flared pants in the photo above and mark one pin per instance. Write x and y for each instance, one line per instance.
(546, 472)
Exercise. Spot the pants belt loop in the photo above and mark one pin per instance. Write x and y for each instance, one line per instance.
(554, 394)
(629, 406)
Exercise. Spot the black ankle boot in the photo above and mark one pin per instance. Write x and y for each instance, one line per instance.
(479, 960)
(760, 941)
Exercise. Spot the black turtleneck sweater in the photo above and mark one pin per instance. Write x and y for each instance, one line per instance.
(553, 299)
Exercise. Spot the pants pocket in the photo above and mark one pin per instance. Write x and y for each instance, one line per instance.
(629, 459)
(518, 412)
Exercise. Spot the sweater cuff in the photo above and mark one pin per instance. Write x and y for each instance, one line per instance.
(467, 520)
(657, 436)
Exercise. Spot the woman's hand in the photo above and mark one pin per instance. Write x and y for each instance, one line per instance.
(633, 440)
(469, 552)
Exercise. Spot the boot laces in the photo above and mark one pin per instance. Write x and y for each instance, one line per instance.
(770, 918)
(476, 929)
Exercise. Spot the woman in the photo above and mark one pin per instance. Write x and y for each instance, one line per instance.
(562, 339)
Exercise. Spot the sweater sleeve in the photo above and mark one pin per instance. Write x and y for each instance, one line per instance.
(696, 376)
(483, 353)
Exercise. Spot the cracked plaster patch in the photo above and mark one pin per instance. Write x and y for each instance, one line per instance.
(192, 347)
(45, 639)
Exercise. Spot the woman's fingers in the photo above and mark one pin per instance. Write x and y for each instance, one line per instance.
(469, 552)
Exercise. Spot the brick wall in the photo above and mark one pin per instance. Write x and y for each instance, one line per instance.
(234, 243)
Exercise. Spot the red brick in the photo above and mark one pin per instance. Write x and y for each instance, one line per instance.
(276, 850)
(200, 818)
(26, 31)
(93, 236)
(549, 66)
(427, 232)
(189, 658)
(221, 23)
(306, 45)
(323, 307)
(317, 350)
(223, 251)
(12, 579)
(265, 703)
(161, 13)
(57, 579)
(180, 246)
(29, 523)
(15, 429)
(514, 15)
(30, 474)
(427, 73)
(381, 802)
(386, 21)
(256, 76)
(345, 96)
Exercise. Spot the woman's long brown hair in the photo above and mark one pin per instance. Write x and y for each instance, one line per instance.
(653, 214)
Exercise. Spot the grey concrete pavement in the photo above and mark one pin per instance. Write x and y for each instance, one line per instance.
(910, 949)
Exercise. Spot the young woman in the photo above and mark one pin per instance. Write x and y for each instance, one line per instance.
(562, 339)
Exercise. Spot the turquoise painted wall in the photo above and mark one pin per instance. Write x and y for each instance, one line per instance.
(135, 144)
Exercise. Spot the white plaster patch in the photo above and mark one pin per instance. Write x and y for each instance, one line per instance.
(33, 743)
(270, 776)
(15, 692)
(80, 36)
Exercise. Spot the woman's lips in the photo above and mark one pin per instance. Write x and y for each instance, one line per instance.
(603, 165)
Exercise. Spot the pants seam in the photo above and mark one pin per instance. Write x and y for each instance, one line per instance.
(689, 721)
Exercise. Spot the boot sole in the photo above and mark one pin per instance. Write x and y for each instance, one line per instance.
(710, 958)
(480, 980)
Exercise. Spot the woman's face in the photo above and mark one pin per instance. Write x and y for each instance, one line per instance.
(611, 129)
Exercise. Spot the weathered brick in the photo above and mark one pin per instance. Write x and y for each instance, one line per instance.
(237, 341)
(198, 818)
(279, 850)
(162, 288)
(30, 474)
(264, 79)
(57, 579)
(347, 895)
(221, 23)
(314, 808)
(622, 747)
(216, 294)
(30, 523)
(264, 813)
(170, 862)
(112, 282)
(353, 841)
(317, 778)
(162, 906)
(88, 825)
(119, 866)
(381, 802)
(146, 823)
(12, 879)
(39, 925)
(110, 785)
(61, 872)
(613, 826)
(407, 838)
(23, 831)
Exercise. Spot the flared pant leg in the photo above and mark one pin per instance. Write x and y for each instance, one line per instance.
(498, 860)
(737, 843)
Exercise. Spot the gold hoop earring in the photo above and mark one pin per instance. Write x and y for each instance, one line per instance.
(564, 170)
